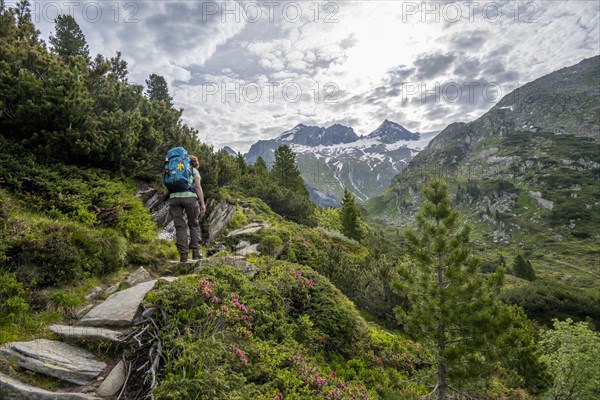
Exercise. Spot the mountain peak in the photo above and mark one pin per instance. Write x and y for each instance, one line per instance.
(229, 151)
(318, 136)
(391, 132)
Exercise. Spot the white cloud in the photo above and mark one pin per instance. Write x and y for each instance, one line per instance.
(189, 43)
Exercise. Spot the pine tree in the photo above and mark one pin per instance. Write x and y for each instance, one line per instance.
(25, 27)
(522, 268)
(285, 172)
(260, 167)
(350, 217)
(241, 163)
(157, 89)
(69, 40)
(118, 67)
(452, 308)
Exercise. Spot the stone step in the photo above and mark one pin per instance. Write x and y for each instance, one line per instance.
(114, 381)
(55, 359)
(87, 333)
(120, 308)
(12, 389)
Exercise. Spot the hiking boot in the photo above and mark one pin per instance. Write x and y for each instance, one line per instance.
(196, 255)
(183, 258)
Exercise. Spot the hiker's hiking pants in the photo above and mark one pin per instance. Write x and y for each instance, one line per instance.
(189, 205)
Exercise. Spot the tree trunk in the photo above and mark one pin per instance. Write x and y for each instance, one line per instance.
(441, 342)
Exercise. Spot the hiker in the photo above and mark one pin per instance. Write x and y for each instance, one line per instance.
(182, 180)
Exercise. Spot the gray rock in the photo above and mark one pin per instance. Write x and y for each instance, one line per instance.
(219, 218)
(157, 203)
(12, 389)
(93, 293)
(54, 358)
(138, 276)
(113, 382)
(250, 228)
(87, 333)
(235, 261)
(545, 204)
(246, 248)
(120, 308)
(112, 289)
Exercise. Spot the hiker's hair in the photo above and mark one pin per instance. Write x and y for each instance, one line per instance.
(194, 161)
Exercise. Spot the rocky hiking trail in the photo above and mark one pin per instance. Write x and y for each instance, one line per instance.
(71, 361)
(84, 375)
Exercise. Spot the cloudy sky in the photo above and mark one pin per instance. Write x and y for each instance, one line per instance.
(244, 71)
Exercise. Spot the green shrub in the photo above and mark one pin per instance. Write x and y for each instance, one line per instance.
(89, 196)
(152, 253)
(13, 305)
(46, 252)
(287, 330)
(271, 245)
(544, 300)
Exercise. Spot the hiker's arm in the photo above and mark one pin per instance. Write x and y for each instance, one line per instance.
(200, 195)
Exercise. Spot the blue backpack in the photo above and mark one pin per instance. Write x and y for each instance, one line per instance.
(178, 170)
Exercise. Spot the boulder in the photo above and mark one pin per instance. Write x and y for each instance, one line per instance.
(54, 358)
(114, 381)
(12, 389)
(120, 308)
(219, 218)
(157, 203)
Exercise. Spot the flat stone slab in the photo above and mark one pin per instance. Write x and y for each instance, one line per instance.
(120, 308)
(12, 389)
(54, 358)
(250, 228)
(87, 333)
(114, 381)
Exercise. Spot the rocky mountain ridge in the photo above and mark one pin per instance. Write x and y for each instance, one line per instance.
(333, 158)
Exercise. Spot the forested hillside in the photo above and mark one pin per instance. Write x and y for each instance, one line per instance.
(290, 300)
